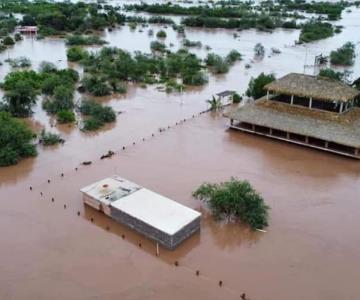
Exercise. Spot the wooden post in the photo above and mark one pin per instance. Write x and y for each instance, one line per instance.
(341, 107)
(157, 249)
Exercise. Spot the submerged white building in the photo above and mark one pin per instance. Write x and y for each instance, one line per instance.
(155, 216)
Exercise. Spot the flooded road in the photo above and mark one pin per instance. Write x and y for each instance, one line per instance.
(310, 250)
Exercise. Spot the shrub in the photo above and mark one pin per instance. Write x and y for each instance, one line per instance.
(98, 115)
(161, 34)
(344, 55)
(236, 98)
(157, 46)
(65, 116)
(315, 30)
(92, 124)
(82, 40)
(20, 99)
(76, 54)
(50, 139)
(96, 85)
(330, 73)
(15, 140)
(235, 200)
(18, 37)
(20, 62)
(62, 100)
(233, 56)
(188, 43)
(8, 41)
(259, 50)
(256, 85)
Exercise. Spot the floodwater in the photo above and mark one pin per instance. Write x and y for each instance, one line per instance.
(309, 251)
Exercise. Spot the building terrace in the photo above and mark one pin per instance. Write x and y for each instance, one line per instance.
(278, 115)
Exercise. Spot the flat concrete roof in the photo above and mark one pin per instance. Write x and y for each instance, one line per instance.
(156, 210)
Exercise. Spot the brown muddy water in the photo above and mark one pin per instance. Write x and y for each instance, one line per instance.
(310, 250)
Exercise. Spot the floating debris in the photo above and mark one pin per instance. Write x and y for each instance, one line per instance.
(108, 155)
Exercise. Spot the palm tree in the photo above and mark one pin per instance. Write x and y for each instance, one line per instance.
(215, 104)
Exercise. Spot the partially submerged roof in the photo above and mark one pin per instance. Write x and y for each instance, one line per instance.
(342, 129)
(321, 88)
(142, 204)
(158, 211)
(225, 93)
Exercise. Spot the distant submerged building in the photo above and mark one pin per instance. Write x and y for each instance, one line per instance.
(307, 110)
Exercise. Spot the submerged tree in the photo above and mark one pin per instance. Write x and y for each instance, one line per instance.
(235, 200)
(15, 140)
(344, 55)
(256, 85)
(259, 50)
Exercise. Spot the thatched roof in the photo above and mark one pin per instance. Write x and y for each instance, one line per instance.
(342, 129)
(320, 88)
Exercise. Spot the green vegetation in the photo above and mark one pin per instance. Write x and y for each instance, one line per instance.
(330, 73)
(157, 46)
(187, 43)
(108, 70)
(161, 34)
(98, 115)
(58, 17)
(20, 62)
(215, 103)
(259, 50)
(22, 88)
(50, 139)
(344, 55)
(65, 116)
(62, 100)
(220, 65)
(83, 40)
(7, 24)
(256, 85)
(315, 30)
(76, 53)
(96, 85)
(15, 140)
(8, 41)
(236, 98)
(235, 200)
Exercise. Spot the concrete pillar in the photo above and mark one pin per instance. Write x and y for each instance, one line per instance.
(267, 95)
(310, 103)
(292, 100)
